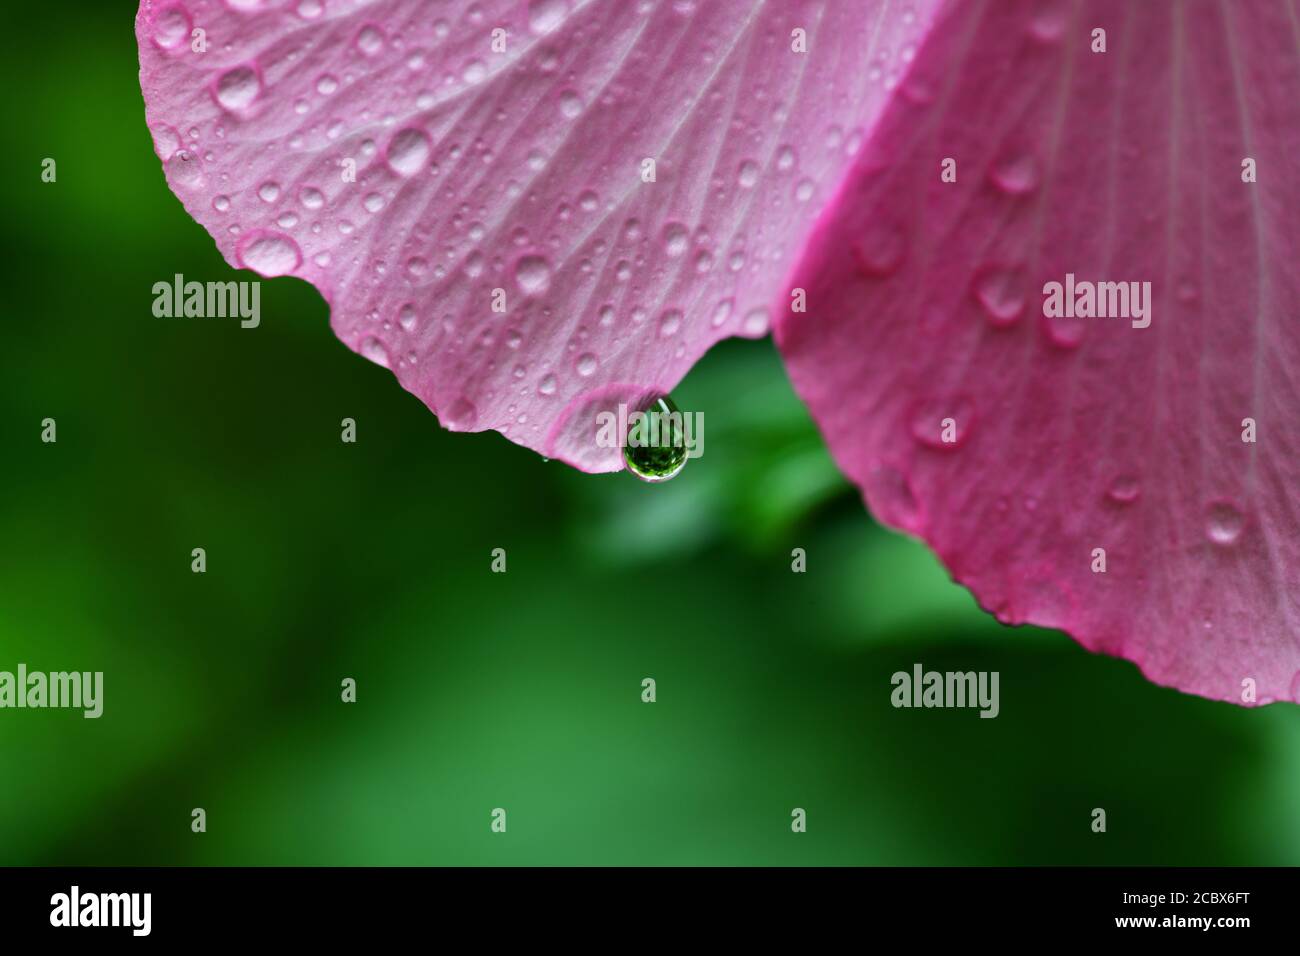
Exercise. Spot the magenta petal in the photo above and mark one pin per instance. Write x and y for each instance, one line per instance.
(521, 170)
(926, 303)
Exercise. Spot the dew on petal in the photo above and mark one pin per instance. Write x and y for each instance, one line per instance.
(237, 89)
(1224, 523)
(269, 253)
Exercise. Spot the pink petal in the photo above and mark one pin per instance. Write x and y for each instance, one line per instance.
(925, 302)
(521, 171)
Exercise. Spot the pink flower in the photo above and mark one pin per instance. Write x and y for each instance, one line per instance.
(1033, 266)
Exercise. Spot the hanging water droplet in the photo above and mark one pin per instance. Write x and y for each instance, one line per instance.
(1224, 522)
(655, 445)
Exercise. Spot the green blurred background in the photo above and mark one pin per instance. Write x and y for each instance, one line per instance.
(479, 690)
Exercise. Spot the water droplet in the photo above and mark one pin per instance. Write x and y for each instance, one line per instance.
(586, 364)
(406, 317)
(670, 322)
(747, 174)
(310, 9)
(785, 158)
(1048, 24)
(172, 27)
(756, 322)
(804, 190)
(326, 85)
(475, 71)
(221, 203)
(1124, 490)
(891, 497)
(268, 192)
(721, 312)
(676, 239)
(655, 445)
(238, 88)
(269, 253)
(184, 169)
(570, 105)
(547, 385)
(370, 40)
(882, 250)
(1000, 292)
(533, 274)
(374, 350)
(408, 151)
(1065, 331)
(942, 423)
(544, 16)
(1224, 523)
(588, 201)
(373, 202)
(462, 416)
(311, 198)
(1017, 176)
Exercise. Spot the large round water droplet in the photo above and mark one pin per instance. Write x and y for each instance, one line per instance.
(238, 88)
(655, 445)
(370, 40)
(1224, 522)
(533, 274)
(172, 27)
(269, 253)
(545, 15)
(408, 151)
